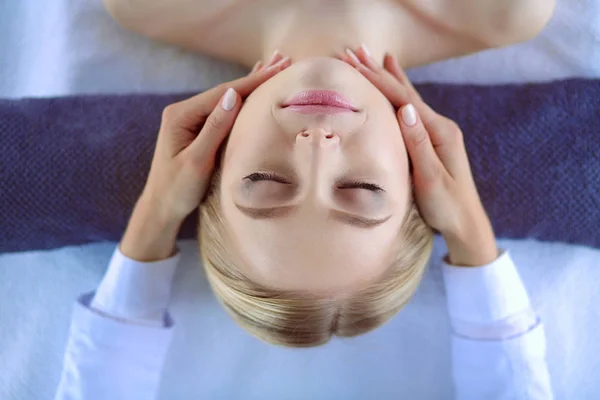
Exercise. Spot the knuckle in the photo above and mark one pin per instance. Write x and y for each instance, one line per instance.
(170, 112)
(214, 122)
(420, 138)
(453, 131)
(404, 92)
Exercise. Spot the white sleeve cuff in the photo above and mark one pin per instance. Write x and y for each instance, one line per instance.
(509, 369)
(486, 294)
(137, 292)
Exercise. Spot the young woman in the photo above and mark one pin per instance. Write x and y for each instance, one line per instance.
(316, 224)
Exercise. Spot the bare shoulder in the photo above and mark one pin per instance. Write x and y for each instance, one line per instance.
(201, 25)
(134, 13)
(419, 31)
(442, 29)
(498, 22)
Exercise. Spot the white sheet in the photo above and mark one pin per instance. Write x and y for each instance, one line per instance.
(38, 289)
(72, 46)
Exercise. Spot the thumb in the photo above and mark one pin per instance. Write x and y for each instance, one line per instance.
(426, 163)
(217, 126)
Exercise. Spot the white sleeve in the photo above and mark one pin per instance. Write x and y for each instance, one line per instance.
(499, 345)
(119, 337)
(134, 291)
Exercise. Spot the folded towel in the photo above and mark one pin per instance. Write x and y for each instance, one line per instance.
(72, 168)
(535, 154)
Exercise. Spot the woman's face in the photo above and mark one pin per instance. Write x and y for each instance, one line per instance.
(314, 197)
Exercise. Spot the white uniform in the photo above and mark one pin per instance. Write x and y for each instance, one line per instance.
(120, 335)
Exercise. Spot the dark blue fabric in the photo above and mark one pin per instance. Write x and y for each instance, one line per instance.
(72, 168)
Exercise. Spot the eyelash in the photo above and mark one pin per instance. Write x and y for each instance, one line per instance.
(261, 176)
(361, 185)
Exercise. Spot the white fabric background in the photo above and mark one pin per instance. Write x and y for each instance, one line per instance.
(72, 46)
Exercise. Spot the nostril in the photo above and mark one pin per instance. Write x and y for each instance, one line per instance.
(329, 136)
(304, 134)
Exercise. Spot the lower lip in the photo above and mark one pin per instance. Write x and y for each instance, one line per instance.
(320, 102)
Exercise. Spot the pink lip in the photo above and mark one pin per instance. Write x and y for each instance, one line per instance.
(320, 102)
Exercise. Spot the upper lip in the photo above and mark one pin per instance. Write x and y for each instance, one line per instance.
(326, 98)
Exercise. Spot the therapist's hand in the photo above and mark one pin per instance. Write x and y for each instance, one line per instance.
(444, 188)
(191, 132)
(190, 135)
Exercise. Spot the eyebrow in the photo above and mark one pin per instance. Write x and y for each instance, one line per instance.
(338, 215)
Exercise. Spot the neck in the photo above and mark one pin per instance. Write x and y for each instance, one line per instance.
(326, 29)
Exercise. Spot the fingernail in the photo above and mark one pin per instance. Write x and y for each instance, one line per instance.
(256, 66)
(275, 53)
(352, 56)
(409, 115)
(229, 100)
(278, 64)
(365, 49)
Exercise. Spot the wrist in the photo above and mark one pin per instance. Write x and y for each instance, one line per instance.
(151, 232)
(472, 245)
(155, 205)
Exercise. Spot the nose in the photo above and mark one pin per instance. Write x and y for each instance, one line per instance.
(318, 137)
(317, 154)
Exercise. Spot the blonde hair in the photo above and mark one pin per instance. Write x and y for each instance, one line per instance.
(302, 319)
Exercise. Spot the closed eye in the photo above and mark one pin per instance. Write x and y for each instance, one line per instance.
(266, 176)
(361, 185)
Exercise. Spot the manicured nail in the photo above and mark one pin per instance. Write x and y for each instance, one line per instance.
(278, 64)
(352, 56)
(256, 66)
(365, 49)
(409, 115)
(229, 100)
(275, 54)
(362, 68)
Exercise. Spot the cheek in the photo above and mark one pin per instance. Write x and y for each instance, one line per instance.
(387, 146)
(248, 130)
(390, 141)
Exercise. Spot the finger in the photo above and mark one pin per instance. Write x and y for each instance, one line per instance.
(364, 55)
(217, 127)
(390, 63)
(190, 114)
(394, 91)
(426, 164)
(447, 139)
(426, 113)
(274, 59)
(256, 67)
(344, 57)
(246, 85)
(391, 88)
(352, 58)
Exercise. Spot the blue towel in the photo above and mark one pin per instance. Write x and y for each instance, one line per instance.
(72, 168)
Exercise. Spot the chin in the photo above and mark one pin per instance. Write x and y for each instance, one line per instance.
(324, 72)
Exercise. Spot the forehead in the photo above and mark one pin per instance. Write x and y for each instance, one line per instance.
(299, 253)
